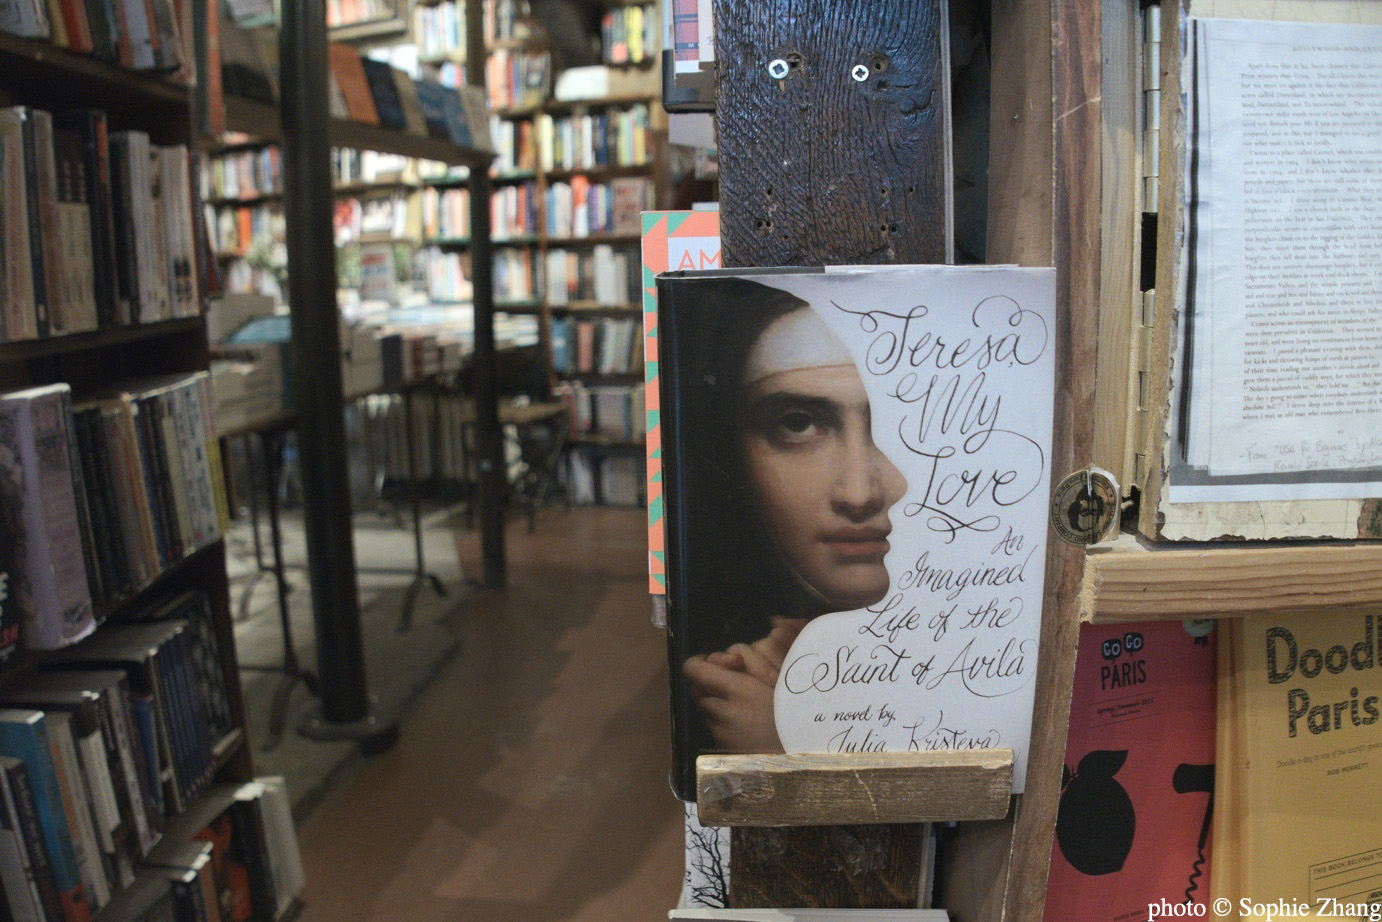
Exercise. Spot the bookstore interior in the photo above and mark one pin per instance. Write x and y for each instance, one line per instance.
(506, 460)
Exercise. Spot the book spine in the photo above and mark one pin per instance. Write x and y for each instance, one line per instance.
(177, 480)
(26, 815)
(77, 245)
(153, 748)
(132, 767)
(173, 722)
(152, 414)
(252, 844)
(113, 580)
(21, 896)
(144, 445)
(215, 463)
(125, 822)
(74, 803)
(34, 201)
(192, 710)
(81, 485)
(127, 499)
(190, 457)
(126, 237)
(138, 485)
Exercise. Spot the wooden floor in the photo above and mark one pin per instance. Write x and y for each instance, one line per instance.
(531, 779)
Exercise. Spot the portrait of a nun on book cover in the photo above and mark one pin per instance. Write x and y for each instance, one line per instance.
(856, 485)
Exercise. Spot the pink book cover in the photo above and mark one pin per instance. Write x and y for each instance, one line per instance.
(1137, 786)
(672, 240)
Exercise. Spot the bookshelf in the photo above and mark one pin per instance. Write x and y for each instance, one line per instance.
(35, 73)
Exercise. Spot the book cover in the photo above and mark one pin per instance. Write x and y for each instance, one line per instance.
(672, 240)
(384, 91)
(411, 104)
(24, 736)
(19, 317)
(855, 483)
(1306, 732)
(349, 72)
(19, 797)
(24, 18)
(71, 784)
(20, 889)
(51, 590)
(1137, 794)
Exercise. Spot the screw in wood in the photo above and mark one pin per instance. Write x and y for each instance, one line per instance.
(777, 68)
(860, 73)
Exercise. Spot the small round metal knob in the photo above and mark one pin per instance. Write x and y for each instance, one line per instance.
(777, 68)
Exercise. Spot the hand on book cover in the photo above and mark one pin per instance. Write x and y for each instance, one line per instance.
(734, 688)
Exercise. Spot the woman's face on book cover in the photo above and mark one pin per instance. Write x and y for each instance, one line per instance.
(823, 486)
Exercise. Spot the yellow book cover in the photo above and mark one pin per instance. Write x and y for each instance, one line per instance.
(1309, 761)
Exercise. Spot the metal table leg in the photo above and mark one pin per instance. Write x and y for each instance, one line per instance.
(272, 444)
(420, 574)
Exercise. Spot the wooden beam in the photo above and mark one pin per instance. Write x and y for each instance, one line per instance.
(1138, 582)
(853, 788)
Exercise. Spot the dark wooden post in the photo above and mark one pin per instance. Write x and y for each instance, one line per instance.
(841, 159)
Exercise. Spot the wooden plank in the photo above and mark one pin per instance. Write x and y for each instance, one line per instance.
(1077, 123)
(819, 168)
(805, 865)
(265, 124)
(853, 788)
(1144, 583)
(1120, 301)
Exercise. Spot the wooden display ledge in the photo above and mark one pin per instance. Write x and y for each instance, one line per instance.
(853, 788)
(1133, 580)
(264, 123)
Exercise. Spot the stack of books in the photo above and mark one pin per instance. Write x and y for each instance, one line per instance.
(140, 36)
(602, 275)
(629, 35)
(605, 346)
(610, 138)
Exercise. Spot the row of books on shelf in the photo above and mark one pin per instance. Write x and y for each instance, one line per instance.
(605, 346)
(102, 497)
(603, 275)
(389, 216)
(351, 166)
(594, 476)
(237, 229)
(502, 19)
(616, 137)
(103, 228)
(362, 90)
(448, 275)
(613, 412)
(445, 213)
(243, 174)
(350, 12)
(518, 79)
(110, 739)
(630, 34)
(513, 275)
(514, 145)
(438, 436)
(580, 208)
(146, 35)
(440, 31)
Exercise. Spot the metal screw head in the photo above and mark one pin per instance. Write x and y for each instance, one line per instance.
(777, 68)
(860, 73)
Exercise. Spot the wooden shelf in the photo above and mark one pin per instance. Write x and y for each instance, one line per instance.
(265, 123)
(74, 79)
(594, 307)
(609, 170)
(22, 350)
(349, 190)
(604, 102)
(854, 788)
(593, 240)
(1133, 580)
(141, 595)
(460, 243)
(528, 306)
(594, 439)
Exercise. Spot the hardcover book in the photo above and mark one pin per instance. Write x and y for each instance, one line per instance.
(1137, 787)
(672, 240)
(856, 482)
(349, 72)
(1295, 816)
